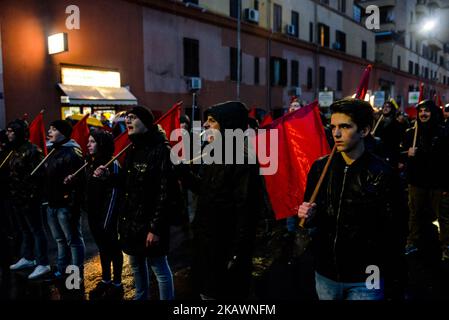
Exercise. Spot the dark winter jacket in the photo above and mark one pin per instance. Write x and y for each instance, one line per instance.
(24, 189)
(427, 169)
(102, 197)
(147, 180)
(229, 202)
(65, 160)
(359, 219)
(389, 131)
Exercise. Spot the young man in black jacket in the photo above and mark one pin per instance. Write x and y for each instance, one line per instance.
(64, 200)
(357, 236)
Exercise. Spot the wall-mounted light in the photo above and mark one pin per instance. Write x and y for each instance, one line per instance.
(57, 43)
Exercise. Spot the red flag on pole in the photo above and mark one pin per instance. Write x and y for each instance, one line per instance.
(421, 92)
(120, 142)
(364, 82)
(171, 120)
(37, 132)
(267, 120)
(301, 141)
(81, 133)
(252, 113)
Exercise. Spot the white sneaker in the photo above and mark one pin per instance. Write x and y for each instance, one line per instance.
(39, 271)
(22, 264)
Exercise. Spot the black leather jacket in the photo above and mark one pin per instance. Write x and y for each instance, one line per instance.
(146, 178)
(359, 219)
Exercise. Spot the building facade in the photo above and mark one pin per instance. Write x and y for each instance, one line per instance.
(163, 51)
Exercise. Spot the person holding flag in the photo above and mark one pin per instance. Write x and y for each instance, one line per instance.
(427, 148)
(389, 132)
(355, 220)
(64, 200)
(25, 196)
(147, 184)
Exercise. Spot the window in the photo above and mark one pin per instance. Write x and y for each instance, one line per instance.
(234, 8)
(410, 66)
(357, 13)
(311, 31)
(277, 18)
(442, 61)
(416, 69)
(309, 78)
(322, 78)
(340, 38)
(426, 73)
(399, 63)
(191, 1)
(342, 5)
(233, 64)
(444, 79)
(363, 49)
(295, 22)
(278, 71)
(191, 58)
(295, 73)
(256, 5)
(256, 70)
(323, 35)
(339, 80)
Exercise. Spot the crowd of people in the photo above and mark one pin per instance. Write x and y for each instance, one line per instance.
(382, 190)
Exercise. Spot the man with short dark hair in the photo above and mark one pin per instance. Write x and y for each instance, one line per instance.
(354, 220)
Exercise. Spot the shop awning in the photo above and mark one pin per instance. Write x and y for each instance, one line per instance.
(87, 95)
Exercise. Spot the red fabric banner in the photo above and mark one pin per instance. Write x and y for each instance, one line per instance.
(81, 133)
(301, 141)
(37, 133)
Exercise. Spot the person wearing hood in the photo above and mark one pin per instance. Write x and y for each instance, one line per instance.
(64, 200)
(143, 225)
(25, 197)
(229, 203)
(426, 177)
(389, 132)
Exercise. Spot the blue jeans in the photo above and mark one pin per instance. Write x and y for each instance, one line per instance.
(34, 241)
(328, 289)
(65, 226)
(159, 265)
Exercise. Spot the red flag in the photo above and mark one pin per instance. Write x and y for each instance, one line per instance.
(421, 92)
(301, 141)
(120, 142)
(364, 82)
(252, 113)
(171, 120)
(81, 133)
(267, 120)
(37, 132)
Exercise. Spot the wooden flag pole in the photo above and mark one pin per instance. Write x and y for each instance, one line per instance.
(377, 124)
(117, 156)
(42, 162)
(416, 134)
(6, 159)
(320, 181)
(80, 169)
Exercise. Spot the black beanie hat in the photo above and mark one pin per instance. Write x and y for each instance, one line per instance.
(145, 115)
(20, 129)
(63, 126)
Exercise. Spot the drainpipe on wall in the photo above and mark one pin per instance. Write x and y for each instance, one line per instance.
(267, 69)
(2, 94)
